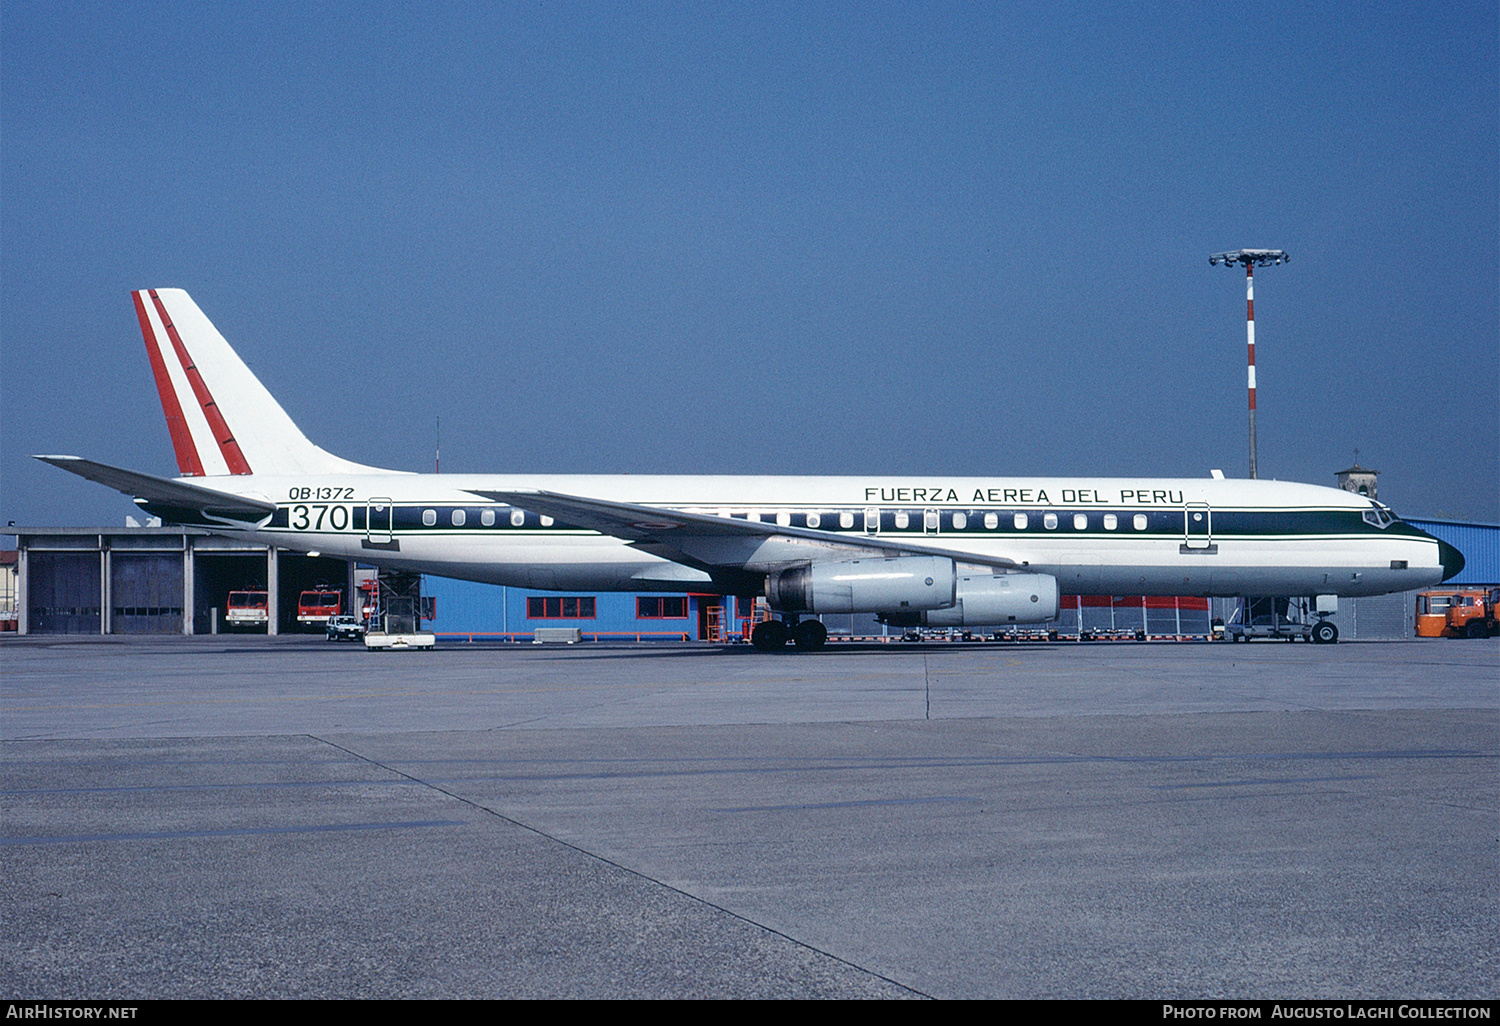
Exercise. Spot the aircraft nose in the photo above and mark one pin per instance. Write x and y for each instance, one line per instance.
(1452, 560)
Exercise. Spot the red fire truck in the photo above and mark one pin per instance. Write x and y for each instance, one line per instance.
(247, 608)
(316, 605)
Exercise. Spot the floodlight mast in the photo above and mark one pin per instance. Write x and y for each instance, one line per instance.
(1251, 258)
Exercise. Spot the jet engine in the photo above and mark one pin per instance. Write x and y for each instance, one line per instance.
(867, 585)
(987, 600)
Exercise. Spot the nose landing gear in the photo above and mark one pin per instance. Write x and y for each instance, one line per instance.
(1325, 633)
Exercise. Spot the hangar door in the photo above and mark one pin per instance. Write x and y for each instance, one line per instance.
(145, 592)
(62, 593)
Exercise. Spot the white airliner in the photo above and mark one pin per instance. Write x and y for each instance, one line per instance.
(939, 550)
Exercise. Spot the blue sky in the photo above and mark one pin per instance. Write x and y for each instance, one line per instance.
(765, 238)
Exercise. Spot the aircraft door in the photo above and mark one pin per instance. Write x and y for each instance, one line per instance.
(931, 519)
(378, 517)
(1198, 528)
(872, 521)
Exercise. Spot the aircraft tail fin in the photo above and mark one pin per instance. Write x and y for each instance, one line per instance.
(222, 420)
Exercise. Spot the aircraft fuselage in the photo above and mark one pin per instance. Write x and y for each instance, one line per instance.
(1095, 535)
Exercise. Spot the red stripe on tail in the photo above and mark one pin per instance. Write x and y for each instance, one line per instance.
(227, 445)
(182, 439)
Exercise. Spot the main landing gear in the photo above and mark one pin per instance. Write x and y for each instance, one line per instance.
(772, 635)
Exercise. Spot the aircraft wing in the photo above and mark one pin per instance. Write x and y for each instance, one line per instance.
(161, 492)
(696, 539)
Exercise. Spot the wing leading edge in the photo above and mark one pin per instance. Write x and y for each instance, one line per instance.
(710, 541)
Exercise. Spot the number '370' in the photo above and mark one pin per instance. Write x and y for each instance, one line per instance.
(318, 518)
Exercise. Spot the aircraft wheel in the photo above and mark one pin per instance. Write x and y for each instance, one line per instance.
(809, 635)
(1325, 633)
(769, 635)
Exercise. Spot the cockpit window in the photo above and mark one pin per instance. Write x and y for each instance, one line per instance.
(1379, 516)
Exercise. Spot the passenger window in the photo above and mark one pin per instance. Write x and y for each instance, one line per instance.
(1020, 521)
(784, 519)
(1049, 521)
(1111, 521)
(1140, 521)
(429, 517)
(458, 518)
(814, 520)
(1080, 522)
(548, 521)
(960, 521)
(487, 518)
(846, 520)
(991, 521)
(903, 521)
(517, 518)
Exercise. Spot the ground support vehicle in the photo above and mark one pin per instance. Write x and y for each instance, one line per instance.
(398, 624)
(1280, 619)
(1461, 613)
(380, 641)
(1271, 626)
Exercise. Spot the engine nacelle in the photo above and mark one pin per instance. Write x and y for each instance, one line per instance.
(865, 585)
(991, 600)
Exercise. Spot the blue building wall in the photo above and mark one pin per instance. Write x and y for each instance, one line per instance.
(491, 610)
(1480, 544)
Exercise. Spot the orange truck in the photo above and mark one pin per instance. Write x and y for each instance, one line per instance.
(1458, 613)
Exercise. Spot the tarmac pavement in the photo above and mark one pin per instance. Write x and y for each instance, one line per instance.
(253, 817)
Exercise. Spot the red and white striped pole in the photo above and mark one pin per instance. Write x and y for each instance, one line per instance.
(1250, 257)
(1250, 336)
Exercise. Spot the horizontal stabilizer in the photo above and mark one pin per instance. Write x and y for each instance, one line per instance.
(163, 492)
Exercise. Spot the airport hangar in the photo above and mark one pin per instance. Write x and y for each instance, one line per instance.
(173, 580)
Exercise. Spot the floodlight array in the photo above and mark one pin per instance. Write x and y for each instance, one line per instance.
(1250, 257)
